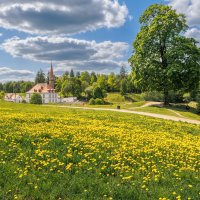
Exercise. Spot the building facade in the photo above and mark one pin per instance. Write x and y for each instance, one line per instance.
(13, 97)
(46, 90)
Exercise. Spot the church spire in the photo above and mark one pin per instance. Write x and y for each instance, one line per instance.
(51, 77)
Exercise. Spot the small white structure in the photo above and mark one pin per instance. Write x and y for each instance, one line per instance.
(69, 100)
(13, 97)
(47, 91)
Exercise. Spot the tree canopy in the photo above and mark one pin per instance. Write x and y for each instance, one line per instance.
(36, 99)
(40, 77)
(163, 58)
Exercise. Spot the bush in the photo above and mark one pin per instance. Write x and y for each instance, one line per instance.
(96, 101)
(152, 96)
(99, 101)
(176, 97)
(198, 103)
(187, 98)
(2, 94)
(36, 99)
(23, 101)
(92, 102)
(98, 93)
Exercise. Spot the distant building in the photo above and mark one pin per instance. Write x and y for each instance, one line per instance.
(13, 97)
(46, 90)
(69, 100)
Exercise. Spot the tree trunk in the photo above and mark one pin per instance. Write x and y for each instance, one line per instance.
(166, 97)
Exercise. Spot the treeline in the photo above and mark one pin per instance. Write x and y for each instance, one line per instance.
(79, 84)
(92, 85)
(16, 86)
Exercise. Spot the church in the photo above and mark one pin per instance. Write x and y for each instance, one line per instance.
(46, 90)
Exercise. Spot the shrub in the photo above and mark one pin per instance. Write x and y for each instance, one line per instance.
(198, 103)
(99, 101)
(176, 97)
(2, 94)
(23, 101)
(152, 96)
(36, 99)
(92, 102)
(98, 93)
(96, 101)
(187, 98)
(123, 87)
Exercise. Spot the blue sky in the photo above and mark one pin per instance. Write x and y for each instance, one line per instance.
(93, 35)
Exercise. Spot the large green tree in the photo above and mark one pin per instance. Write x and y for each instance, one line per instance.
(71, 87)
(163, 58)
(36, 99)
(40, 77)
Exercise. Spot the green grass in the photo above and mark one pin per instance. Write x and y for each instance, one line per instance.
(156, 110)
(60, 153)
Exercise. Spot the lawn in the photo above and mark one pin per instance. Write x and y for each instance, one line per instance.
(56, 153)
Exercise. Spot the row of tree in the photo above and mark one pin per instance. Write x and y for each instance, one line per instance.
(80, 84)
(16, 86)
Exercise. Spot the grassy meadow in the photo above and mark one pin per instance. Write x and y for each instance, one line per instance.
(60, 153)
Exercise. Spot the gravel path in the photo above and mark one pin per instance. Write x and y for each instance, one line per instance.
(160, 116)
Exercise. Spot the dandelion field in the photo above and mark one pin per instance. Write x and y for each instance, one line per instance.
(56, 153)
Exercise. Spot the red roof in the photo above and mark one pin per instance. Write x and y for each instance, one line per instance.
(41, 88)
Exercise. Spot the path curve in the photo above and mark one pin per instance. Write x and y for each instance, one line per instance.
(160, 116)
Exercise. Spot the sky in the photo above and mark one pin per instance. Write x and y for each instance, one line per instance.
(92, 35)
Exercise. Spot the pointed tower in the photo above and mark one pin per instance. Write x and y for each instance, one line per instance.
(51, 77)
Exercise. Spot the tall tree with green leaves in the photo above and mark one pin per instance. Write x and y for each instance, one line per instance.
(123, 72)
(40, 77)
(163, 58)
(123, 87)
(72, 73)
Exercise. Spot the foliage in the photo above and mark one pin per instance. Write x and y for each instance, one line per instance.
(198, 101)
(123, 73)
(187, 98)
(163, 58)
(16, 87)
(2, 94)
(89, 92)
(92, 101)
(48, 154)
(112, 83)
(96, 101)
(71, 87)
(36, 99)
(123, 87)
(99, 101)
(152, 96)
(98, 93)
(71, 73)
(82, 85)
(40, 77)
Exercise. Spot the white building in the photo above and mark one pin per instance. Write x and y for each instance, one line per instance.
(13, 97)
(46, 90)
(69, 100)
(47, 93)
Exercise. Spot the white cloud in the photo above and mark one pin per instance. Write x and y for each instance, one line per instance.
(193, 33)
(1, 34)
(61, 16)
(81, 54)
(190, 8)
(7, 74)
(104, 66)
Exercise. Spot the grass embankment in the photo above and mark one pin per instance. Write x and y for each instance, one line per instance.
(55, 153)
